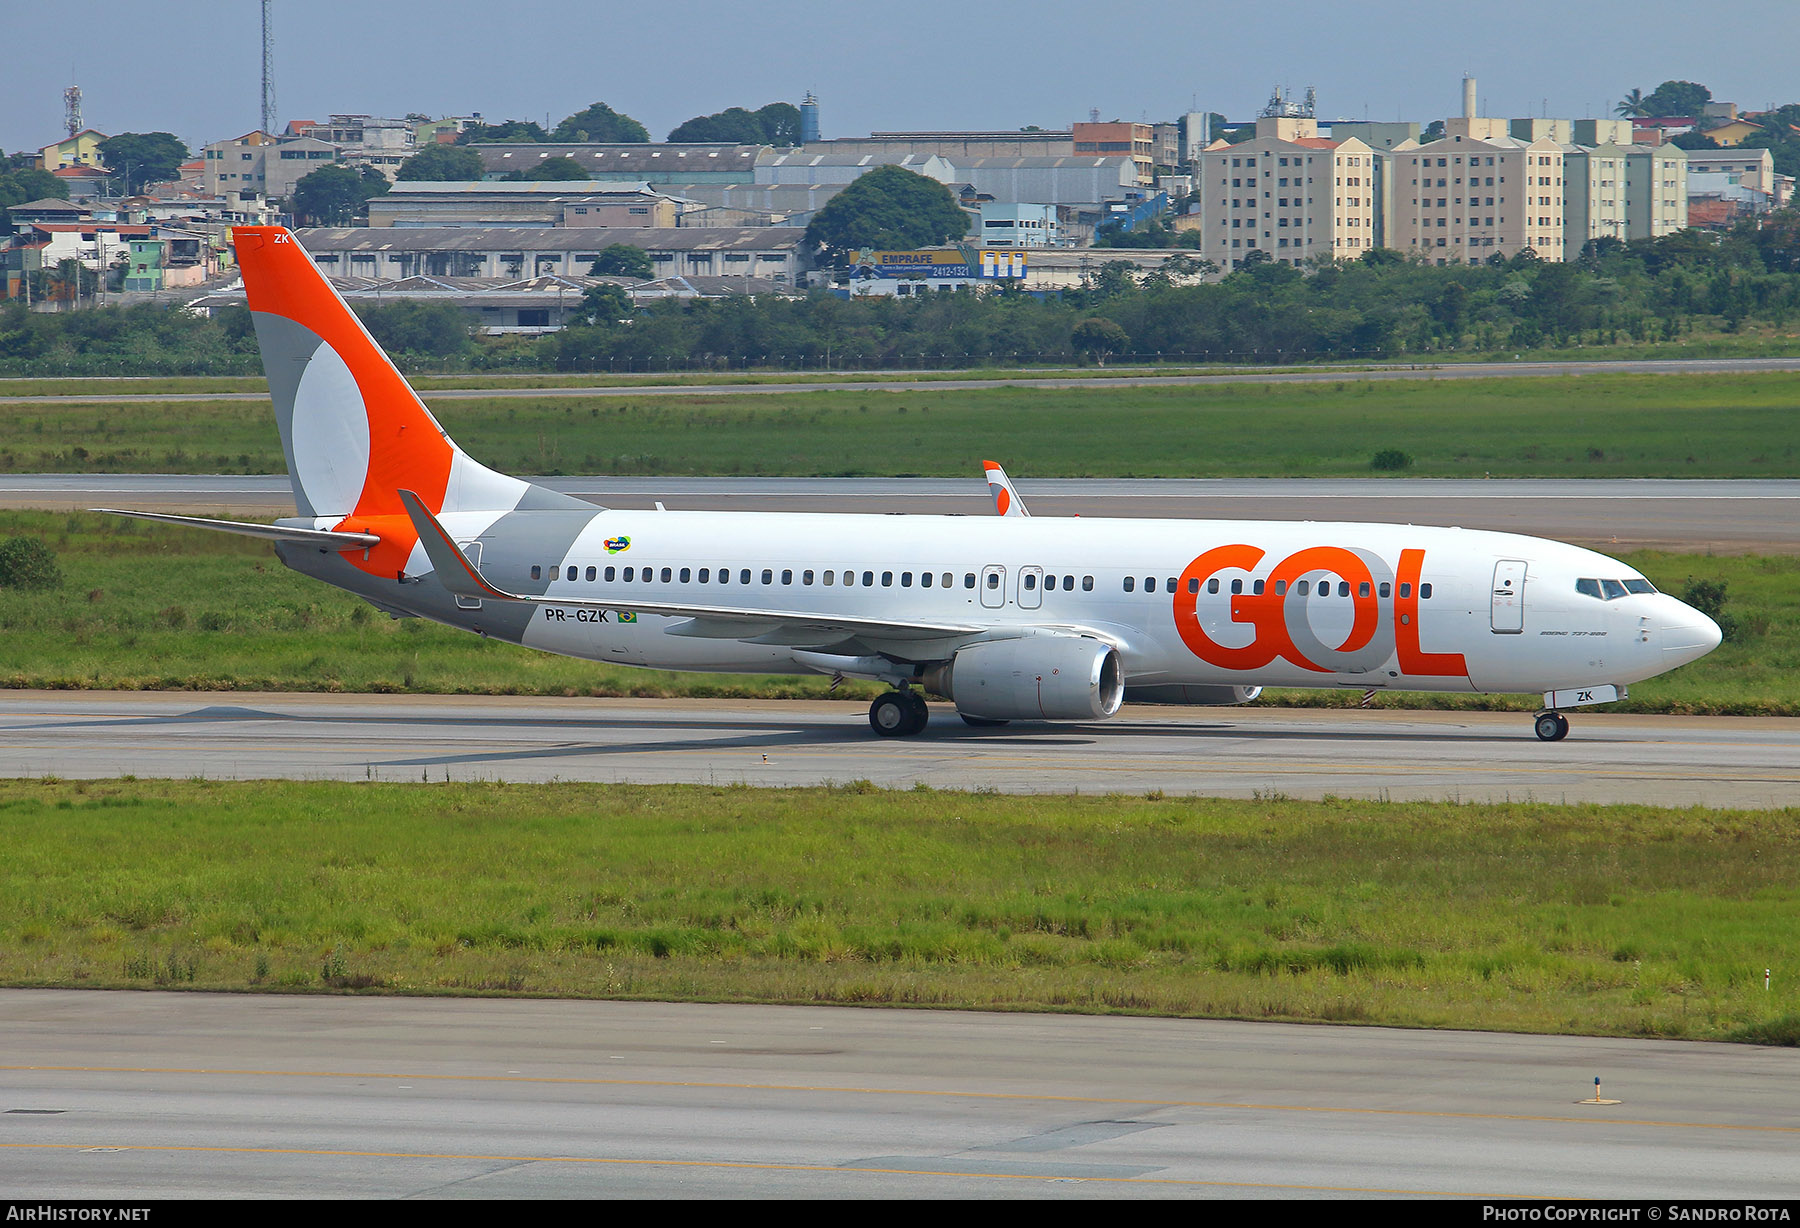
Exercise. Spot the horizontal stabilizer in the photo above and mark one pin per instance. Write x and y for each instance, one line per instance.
(269, 532)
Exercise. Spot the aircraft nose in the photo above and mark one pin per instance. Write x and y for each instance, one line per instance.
(1688, 636)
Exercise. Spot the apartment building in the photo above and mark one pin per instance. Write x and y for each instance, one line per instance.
(1464, 198)
(1288, 192)
(1623, 192)
(256, 164)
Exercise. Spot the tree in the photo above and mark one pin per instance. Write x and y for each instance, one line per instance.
(1434, 131)
(516, 131)
(1694, 140)
(411, 327)
(1098, 337)
(1632, 106)
(335, 195)
(601, 124)
(778, 123)
(442, 164)
(605, 305)
(26, 562)
(551, 169)
(143, 157)
(17, 187)
(1677, 98)
(622, 260)
(889, 207)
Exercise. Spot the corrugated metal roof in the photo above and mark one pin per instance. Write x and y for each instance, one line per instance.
(551, 239)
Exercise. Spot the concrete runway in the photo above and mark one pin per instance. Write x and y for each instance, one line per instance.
(147, 1095)
(1755, 516)
(901, 381)
(1220, 752)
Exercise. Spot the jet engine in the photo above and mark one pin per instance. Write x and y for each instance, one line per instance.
(1034, 678)
(1195, 695)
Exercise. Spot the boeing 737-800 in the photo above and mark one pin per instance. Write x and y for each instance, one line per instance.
(1010, 617)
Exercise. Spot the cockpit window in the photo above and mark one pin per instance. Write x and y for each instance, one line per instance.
(1612, 590)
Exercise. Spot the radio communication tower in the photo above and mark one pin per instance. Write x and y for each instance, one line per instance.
(268, 77)
(72, 109)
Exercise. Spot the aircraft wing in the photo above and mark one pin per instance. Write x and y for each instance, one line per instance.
(791, 627)
(1006, 499)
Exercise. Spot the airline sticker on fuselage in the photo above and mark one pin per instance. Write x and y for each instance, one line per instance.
(1275, 612)
(617, 545)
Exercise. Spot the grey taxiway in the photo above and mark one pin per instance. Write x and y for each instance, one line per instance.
(146, 1095)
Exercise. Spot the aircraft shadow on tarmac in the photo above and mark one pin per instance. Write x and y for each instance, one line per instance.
(762, 735)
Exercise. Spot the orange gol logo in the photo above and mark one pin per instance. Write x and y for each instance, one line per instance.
(1278, 614)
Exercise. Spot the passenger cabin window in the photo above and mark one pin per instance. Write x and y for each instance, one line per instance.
(687, 574)
(611, 574)
(947, 579)
(591, 574)
(806, 577)
(993, 580)
(537, 571)
(1030, 582)
(968, 579)
(1425, 592)
(768, 575)
(572, 572)
(1131, 584)
(744, 576)
(668, 574)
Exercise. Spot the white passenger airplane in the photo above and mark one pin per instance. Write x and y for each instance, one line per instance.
(1009, 617)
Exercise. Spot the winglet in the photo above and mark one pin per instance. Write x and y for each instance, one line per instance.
(453, 568)
(1006, 499)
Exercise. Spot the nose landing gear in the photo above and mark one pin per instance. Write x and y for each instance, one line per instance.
(898, 714)
(1551, 726)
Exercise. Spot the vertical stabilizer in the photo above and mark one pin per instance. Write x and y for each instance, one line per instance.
(353, 430)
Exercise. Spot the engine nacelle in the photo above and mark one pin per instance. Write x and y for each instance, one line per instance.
(1034, 678)
(1194, 695)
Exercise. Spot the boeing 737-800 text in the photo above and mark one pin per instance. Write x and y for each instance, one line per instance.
(1010, 617)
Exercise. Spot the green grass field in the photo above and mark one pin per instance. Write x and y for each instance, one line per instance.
(153, 607)
(1617, 921)
(1579, 426)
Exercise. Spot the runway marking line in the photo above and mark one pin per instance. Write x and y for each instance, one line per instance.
(764, 1167)
(903, 1091)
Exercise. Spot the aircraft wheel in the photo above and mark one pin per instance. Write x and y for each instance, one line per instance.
(981, 722)
(1550, 727)
(1563, 722)
(921, 714)
(893, 716)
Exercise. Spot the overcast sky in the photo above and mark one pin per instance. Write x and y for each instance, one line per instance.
(193, 67)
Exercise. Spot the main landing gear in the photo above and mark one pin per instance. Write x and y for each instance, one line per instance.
(898, 714)
(1551, 726)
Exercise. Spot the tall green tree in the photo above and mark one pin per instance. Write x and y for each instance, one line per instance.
(1677, 98)
(1632, 106)
(778, 123)
(140, 158)
(441, 164)
(622, 260)
(516, 131)
(336, 195)
(601, 124)
(889, 207)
